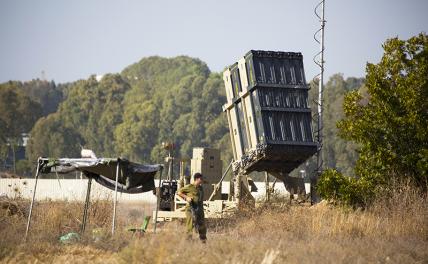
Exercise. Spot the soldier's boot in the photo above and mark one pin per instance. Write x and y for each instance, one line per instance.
(202, 230)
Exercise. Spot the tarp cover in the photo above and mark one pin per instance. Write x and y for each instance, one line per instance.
(133, 177)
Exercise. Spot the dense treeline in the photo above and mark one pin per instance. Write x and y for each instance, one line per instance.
(155, 100)
(132, 113)
(47, 94)
(337, 152)
(21, 105)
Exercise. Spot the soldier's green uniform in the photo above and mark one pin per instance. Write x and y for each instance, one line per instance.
(197, 206)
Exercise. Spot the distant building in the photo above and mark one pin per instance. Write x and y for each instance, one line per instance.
(25, 138)
(99, 77)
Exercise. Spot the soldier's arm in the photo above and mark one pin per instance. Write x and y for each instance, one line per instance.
(183, 194)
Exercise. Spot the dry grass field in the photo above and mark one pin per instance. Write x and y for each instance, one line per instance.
(393, 230)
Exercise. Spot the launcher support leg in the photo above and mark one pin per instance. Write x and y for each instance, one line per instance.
(242, 191)
(32, 200)
(315, 198)
(238, 188)
(267, 197)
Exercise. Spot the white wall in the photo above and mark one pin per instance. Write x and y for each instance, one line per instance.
(75, 189)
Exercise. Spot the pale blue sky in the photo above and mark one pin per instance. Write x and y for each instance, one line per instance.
(71, 40)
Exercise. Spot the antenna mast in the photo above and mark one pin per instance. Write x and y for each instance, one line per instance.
(319, 61)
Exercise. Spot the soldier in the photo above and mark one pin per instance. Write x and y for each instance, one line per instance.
(193, 194)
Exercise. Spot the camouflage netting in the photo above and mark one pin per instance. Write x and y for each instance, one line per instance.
(133, 177)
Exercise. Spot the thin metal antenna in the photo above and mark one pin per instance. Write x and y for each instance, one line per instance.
(319, 61)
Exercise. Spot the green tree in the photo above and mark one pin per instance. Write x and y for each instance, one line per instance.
(18, 113)
(50, 138)
(131, 114)
(180, 100)
(338, 153)
(93, 109)
(47, 94)
(137, 135)
(389, 120)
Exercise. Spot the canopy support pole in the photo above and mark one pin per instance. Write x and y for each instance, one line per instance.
(85, 210)
(158, 199)
(115, 197)
(32, 200)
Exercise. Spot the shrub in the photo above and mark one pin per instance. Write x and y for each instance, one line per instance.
(338, 188)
